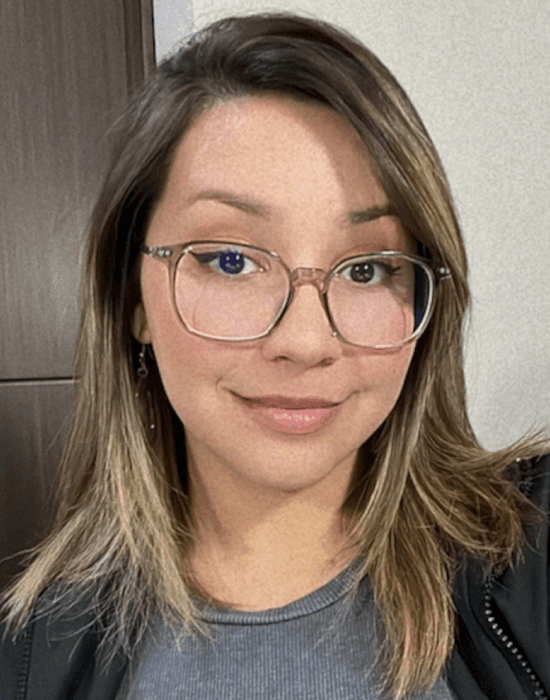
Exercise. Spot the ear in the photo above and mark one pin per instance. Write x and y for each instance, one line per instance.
(140, 329)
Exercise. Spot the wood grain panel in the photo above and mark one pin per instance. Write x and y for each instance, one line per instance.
(33, 418)
(66, 69)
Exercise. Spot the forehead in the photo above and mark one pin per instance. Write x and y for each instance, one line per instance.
(296, 164)
(268, 141)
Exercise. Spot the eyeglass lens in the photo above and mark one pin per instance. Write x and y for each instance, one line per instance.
(239, 292)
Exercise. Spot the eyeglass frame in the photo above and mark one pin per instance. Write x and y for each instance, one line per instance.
(320, 278)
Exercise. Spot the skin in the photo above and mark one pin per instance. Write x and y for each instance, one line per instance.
(267, 504)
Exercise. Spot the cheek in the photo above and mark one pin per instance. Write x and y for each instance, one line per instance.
(177, 355)
(190, 367)
(383, 375)
(184, 360)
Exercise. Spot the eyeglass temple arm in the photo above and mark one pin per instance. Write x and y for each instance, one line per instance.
(440, 271)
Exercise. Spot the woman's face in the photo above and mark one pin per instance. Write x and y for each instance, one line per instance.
(283, 176)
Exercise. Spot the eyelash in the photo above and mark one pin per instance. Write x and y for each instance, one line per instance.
(207, 258)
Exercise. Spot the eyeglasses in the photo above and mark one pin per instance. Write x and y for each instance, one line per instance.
(228, 291)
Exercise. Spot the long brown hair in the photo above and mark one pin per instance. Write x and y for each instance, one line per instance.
(424, 493)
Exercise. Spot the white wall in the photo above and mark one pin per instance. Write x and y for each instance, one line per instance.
(477, 70)
(173, 21)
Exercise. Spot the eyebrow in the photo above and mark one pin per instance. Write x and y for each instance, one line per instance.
(359, 216)
(363, 216)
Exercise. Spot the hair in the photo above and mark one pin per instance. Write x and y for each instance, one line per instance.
(424, 495)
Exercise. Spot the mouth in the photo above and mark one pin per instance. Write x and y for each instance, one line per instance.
(289, 403)
(298, 416)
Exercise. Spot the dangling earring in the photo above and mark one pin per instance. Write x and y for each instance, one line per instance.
(142, 369)
(143, 373)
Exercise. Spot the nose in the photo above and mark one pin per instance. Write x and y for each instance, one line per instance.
(304, 335)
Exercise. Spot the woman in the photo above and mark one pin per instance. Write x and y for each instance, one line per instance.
(285, 477)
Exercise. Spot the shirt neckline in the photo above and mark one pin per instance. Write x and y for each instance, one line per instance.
(322, 597)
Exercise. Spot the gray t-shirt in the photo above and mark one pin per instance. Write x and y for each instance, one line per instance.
(316, 648)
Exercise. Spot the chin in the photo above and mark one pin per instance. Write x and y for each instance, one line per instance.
(297, 474)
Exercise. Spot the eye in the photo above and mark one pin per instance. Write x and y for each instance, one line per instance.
(369, 272)
(230, 263)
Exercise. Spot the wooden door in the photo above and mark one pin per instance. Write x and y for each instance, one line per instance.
(66, 70)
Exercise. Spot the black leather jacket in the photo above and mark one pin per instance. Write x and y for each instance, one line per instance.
(502, 653)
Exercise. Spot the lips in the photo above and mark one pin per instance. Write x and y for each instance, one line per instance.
(298, 416)
(290, 403)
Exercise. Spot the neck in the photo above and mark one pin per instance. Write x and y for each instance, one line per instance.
(259, 548)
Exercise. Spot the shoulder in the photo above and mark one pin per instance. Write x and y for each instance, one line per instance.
(58, 654)
(503, 637)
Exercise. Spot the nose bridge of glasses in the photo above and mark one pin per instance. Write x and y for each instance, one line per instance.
(308, 275)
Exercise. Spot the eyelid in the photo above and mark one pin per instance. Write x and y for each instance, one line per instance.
(362, 254)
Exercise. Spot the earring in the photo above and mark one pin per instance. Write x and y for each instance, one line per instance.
(142, 370)
(143, 373)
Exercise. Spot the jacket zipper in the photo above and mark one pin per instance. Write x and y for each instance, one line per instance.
(509, 644)
(23, 680)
